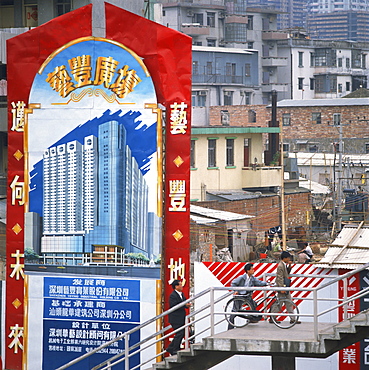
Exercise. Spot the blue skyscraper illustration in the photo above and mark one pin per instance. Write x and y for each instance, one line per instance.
(94, 194)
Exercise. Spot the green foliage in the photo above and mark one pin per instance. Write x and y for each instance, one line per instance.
(275, 160)
(138, 256)
(30, 255)
(158, 260)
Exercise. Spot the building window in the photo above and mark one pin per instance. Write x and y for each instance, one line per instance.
(339, 62)
(230, 69)
(199, 98)
(312, 83)
(211, 19)
(247, 96)
(324, 57)
(356, 58)
(363, 61)
(230, 152)
(228, 98)
(348, 86)
(286, 147)
(198, 18)
(316, 118)
(367, 148)
(247, 69)
(209, 68)
(212, 42)
(301, 83)
(197, 43)
(250, 45)
(313, 148)
(339, 88)
(286, 119)
(212, 146)
(195, 67)
(311, 59)
(63, 6)
(192, 157)
(301, 58)
(347, 62)
(326, 84)
(250, 22)
(252, 116)
(224, 117)
(337, 119)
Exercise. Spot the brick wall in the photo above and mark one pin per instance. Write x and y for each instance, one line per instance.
(266, 210)
(239, 115)
(355, 121)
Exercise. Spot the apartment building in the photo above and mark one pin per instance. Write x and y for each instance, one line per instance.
(318, 69)
(340, 25)
(230, 24)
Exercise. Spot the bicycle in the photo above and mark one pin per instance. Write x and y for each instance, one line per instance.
(239, 311)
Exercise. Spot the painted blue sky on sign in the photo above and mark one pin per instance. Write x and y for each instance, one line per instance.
(54, 124)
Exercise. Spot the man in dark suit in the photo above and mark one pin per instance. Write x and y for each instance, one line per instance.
(177, 317)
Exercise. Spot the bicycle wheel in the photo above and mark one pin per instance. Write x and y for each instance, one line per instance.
(237, 312)
(288, 313)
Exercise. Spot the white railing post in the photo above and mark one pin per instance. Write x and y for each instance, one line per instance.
(187, 332)
(212, 310)
(344, 299)
(315, 302)
(126, 351)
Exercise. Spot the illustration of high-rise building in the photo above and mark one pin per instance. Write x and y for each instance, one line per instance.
(94, 194)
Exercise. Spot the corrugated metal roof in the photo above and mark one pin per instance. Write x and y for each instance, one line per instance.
(322, 102)
(222, 50)
(236, 194)
(314, 186)
(202, 220)
(327, 159)
(349, 250)
(347, 235)
(216, 214)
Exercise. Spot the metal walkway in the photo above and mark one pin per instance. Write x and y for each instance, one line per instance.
(314, 337)
(263, 339)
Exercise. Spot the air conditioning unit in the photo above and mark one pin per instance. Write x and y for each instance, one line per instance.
(202, 92)
(221, 42)
(221, 15)
(189, 13)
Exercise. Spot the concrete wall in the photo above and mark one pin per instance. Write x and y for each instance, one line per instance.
(221, 176)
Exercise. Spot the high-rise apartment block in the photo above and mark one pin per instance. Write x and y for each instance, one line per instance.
(94, 195)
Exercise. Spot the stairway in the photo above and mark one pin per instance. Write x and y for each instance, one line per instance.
(215, 349)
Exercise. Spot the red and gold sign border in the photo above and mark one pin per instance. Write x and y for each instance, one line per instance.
(167, 56)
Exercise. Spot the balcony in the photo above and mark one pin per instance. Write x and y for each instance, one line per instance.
(269, 87)
(273, 62)
(274, 35)
(260, 177)
(195, 29)
(217, 79)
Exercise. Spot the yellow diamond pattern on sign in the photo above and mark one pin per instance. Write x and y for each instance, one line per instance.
(17, 228)
(178, 161)
(18, 155)
(16, 303)
(177, 235)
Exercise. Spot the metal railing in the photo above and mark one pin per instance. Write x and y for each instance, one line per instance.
(209, 301)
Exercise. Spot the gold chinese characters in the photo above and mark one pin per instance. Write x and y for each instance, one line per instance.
(125, 81)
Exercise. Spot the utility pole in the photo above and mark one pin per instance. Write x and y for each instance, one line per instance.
(339, 184)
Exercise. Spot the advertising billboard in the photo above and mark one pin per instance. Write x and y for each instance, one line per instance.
(87, 176)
